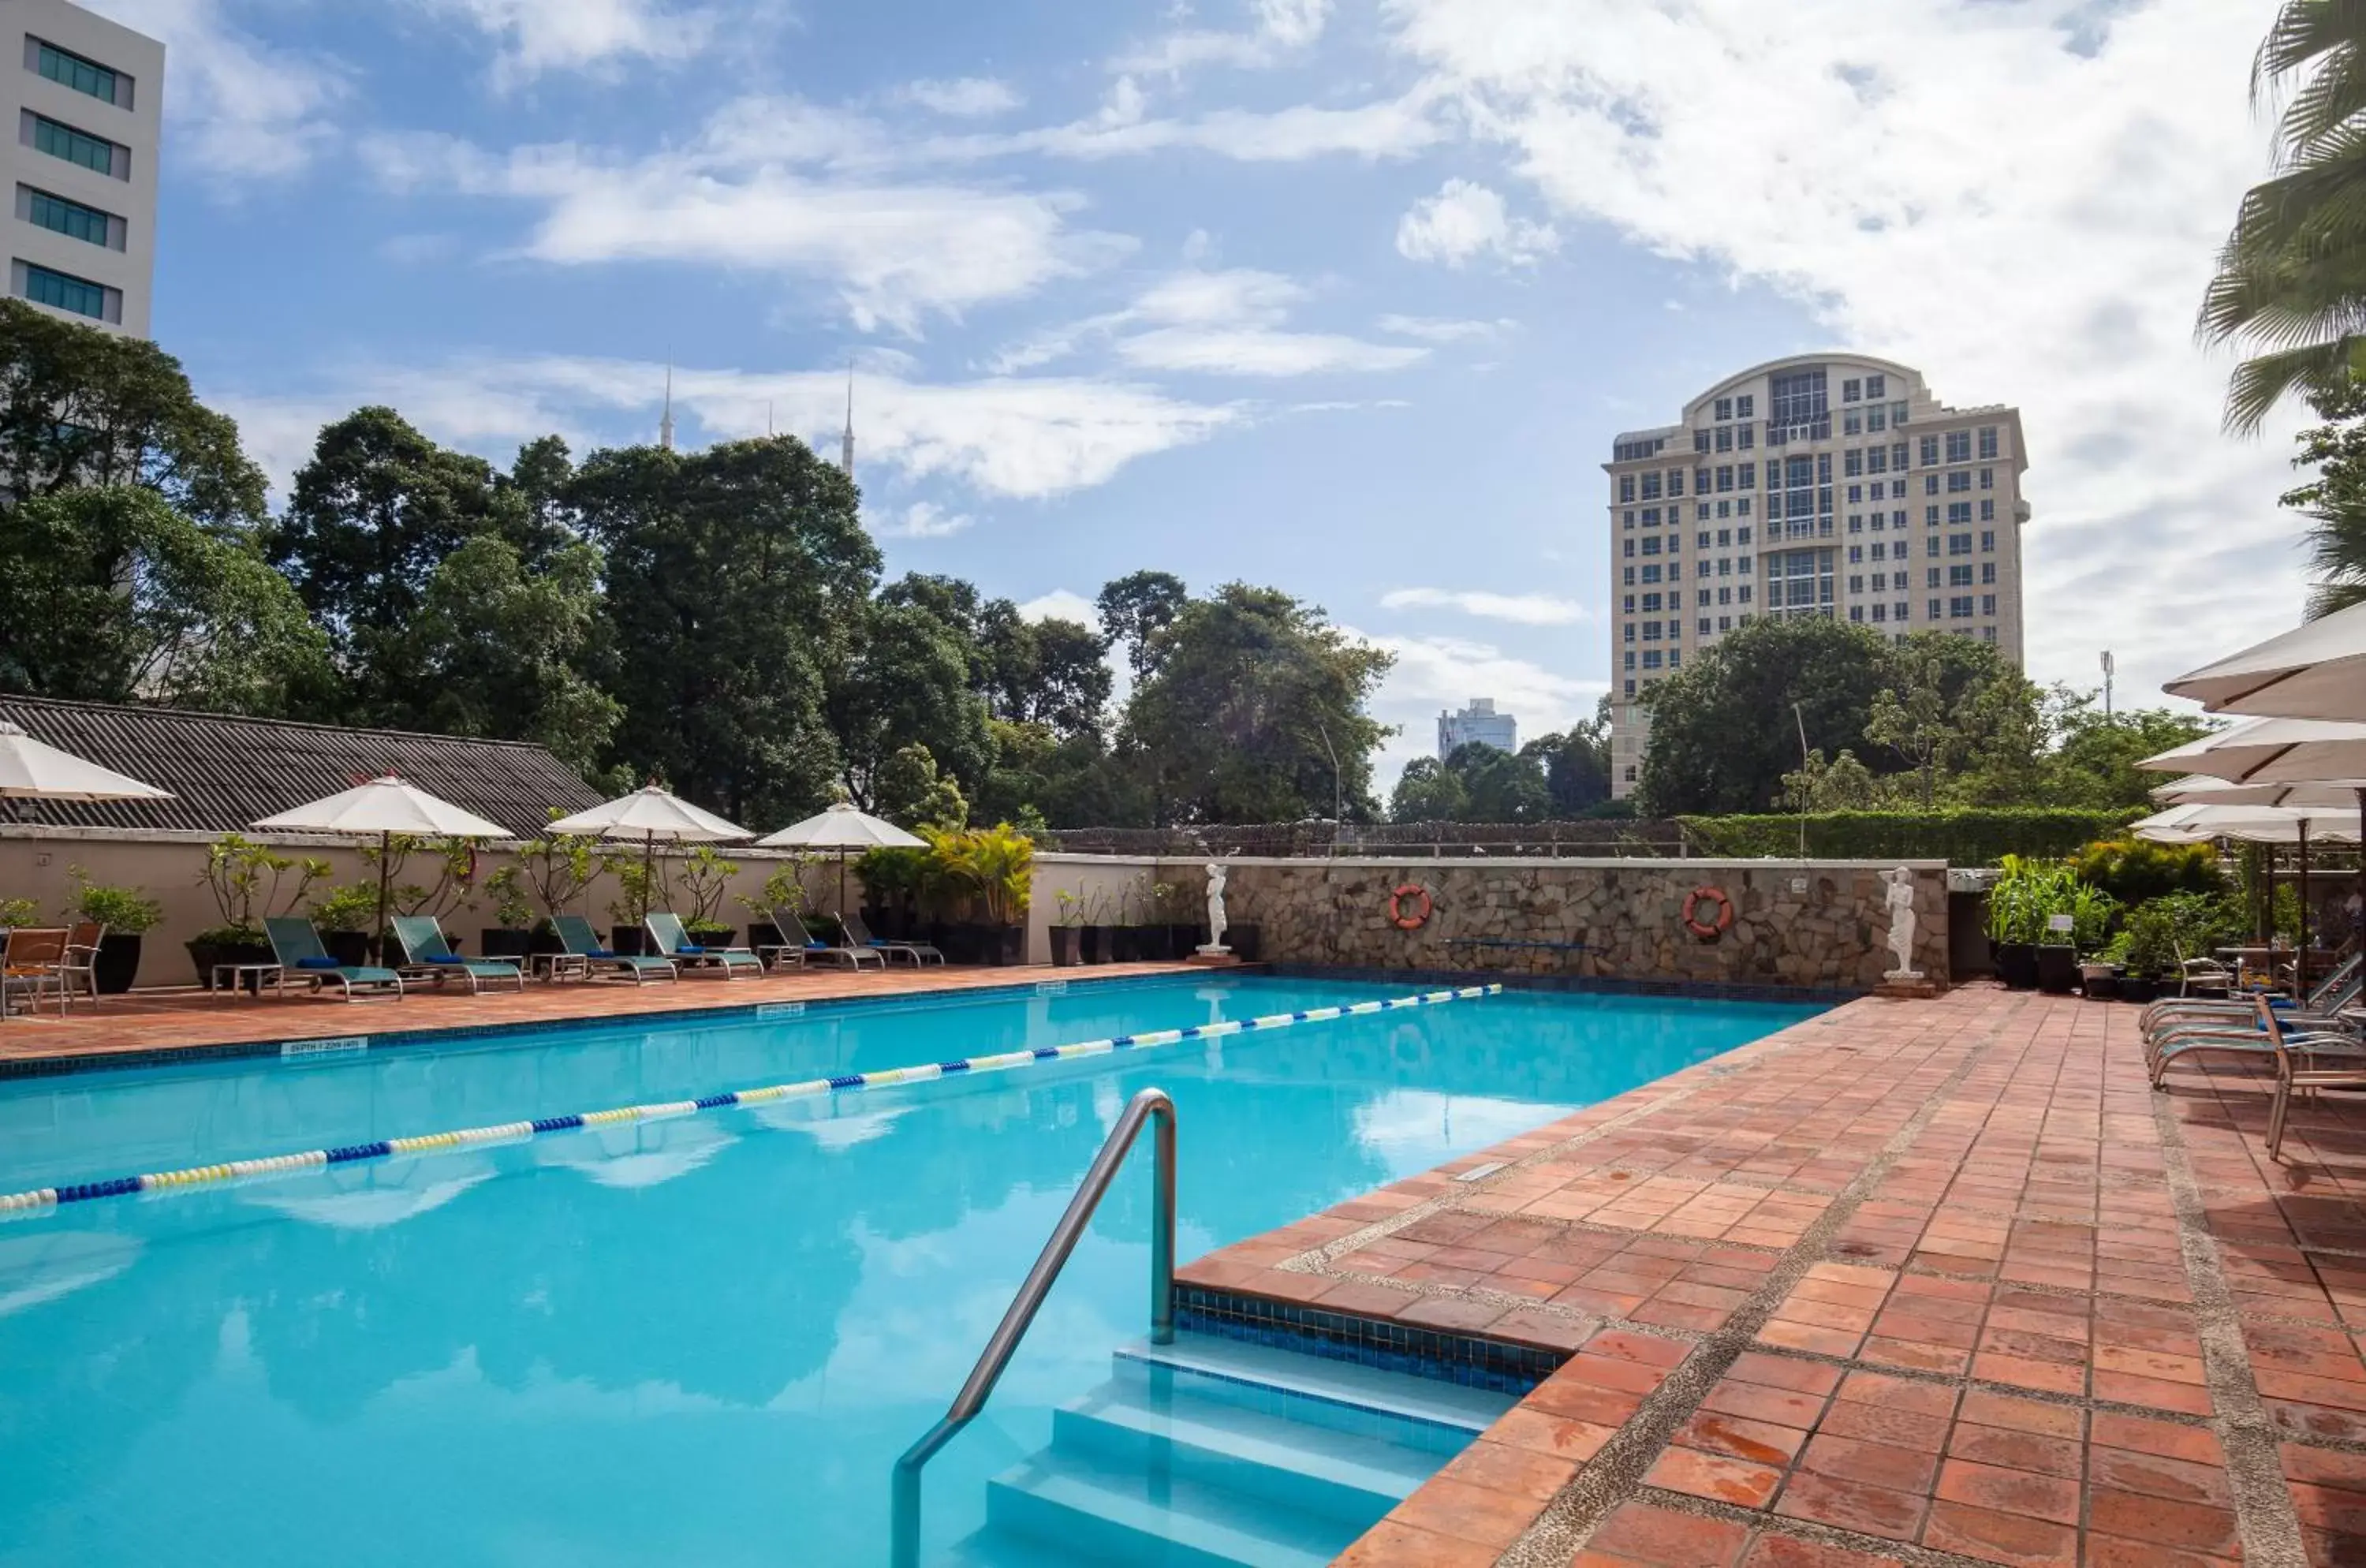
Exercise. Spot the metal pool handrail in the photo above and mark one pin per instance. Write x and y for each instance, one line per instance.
(1150, 1105)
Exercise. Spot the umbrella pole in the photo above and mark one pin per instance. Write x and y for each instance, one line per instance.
(649, 867)
(2300, 953)
(841, 886)
(377, 934)
(2358, 921)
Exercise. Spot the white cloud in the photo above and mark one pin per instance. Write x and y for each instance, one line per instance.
(239, 108)
(595, 35)
(1465, 221)
(1520, 609)
(925, 520)
(1022, 437)
(2023, 201)
(1228, 322)
(1278, 28)
(1062, 605)
(1435, 672)
(1444, 329)
(964, 97)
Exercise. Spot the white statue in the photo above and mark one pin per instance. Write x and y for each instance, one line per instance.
(1900, 900)
(1216, 921)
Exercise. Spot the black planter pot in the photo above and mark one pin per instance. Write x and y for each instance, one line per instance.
(1185, 940)
(2098, 983)
(1099, 943)
(545, 938)
(1009, 944)
(2057, 968)
(710, 936)
(2016, 965)
(504, 941)
(1157, 944)
(1246, 941)
(352, 948)
(2139, 988)
(630, 941)
(1064, 947)
(762, 934)
(117, 963)
(205, 954)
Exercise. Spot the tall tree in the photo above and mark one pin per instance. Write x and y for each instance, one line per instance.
(1135, 610)
(2334, 501)
(1576, 763)
(1503, 786)
(81, 407)
(1429, 791)
(1255, 712)
(1726, 730)
(2291, 286)
(906, 683)
(1067, 782)
(737, 578)
(111, 596)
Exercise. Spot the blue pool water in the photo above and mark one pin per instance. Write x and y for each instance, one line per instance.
(698, 1341)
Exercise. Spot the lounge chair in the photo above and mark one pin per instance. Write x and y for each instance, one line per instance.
(859, 935)
(792, 929)
(33, 959)
(2318, 1009)
(674, 942)
(2268, 1032)
(2300, 1077)
(296, 947)
(426, 953)
(575, 936)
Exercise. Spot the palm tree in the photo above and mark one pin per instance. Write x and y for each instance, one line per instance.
(2292, 278)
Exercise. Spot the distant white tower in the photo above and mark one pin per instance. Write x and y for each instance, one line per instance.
(665, 420)
(846, 445)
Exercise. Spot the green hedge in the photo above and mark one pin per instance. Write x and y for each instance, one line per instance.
(1973, 837)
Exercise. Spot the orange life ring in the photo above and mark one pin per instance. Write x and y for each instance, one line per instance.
(1419, 917)
(1709, 930)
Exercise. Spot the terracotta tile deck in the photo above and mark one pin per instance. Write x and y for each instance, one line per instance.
(168, 1020)
(1913, 1283)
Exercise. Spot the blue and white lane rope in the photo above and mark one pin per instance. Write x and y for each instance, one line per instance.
(14, 1203)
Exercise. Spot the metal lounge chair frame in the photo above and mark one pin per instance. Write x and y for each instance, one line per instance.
(673, 941)
(575, 934)
(792, 929)
(296, 947)
(430, 955)
(859, 935)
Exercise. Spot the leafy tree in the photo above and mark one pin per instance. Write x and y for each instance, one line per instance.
(80, 407)
(2290, 284)
(906, 682)
(1251, 695)
(1915, 715)
(911, 792)
(735, 578)
(1065, 782)
(1429, 791)
(1576, 763)
(1842, 784)
(1724, 731)
(2094, 759)
(1064, 680)
(1504, 786)
(1136, 610)
(500, 653)
(2334, 501)
(111, 596)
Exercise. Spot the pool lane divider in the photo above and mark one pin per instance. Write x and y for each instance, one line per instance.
(169, 1182)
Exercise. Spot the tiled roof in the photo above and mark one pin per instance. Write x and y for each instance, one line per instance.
(226, 772)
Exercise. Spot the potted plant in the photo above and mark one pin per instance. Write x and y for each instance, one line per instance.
(894, 880)
(1065, 929)
(995, 867)
(1133, 899)
(2151, 950)
(343, 919)
(557, 868)
(513, 935)
(245, 877)
(705, 878)
(127, 913)
(18, 912)
(2018, 907)
(2098, 976)
(640, 887)
(1095, 938)
(1183, 931)
(783, 892)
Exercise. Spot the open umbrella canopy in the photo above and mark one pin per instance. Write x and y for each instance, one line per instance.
(32, 770)
(2200, 789)
(2272, 751)
(651, 814)
(384, 805)
(842, 826)
(2318, 671)
(2195, 823)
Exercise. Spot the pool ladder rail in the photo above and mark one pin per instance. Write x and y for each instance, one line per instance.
(1152, 1105)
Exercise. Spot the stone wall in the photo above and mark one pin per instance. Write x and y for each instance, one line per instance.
(1824, 923)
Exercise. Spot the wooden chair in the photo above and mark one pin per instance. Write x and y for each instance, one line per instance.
(34, 958)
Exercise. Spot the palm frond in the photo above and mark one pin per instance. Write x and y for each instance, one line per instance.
(2302, 32)
(2261, 383)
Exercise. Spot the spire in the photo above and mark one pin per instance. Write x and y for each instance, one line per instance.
(665, 423)
(846, 448)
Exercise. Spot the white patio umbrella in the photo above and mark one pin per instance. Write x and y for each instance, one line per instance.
(2200, 789)
(385, 806)
(34, 769)
(2318, 671)
(842, 827)
(654, 816)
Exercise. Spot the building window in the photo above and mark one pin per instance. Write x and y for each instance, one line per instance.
(1651, 574)
(93, 153)
(1724, 438)
(1930, 517)
(1856, 583)
(83, 75)
(1929, 452)
(71, 219)
(1988, 511)
(1741, 594)
(1745, 406)
(1704, 625)
(1629, 631)
(1959, 512)
(1700, 440)
(1988, 441)
(1626, 488)
(1898, 518)
(1987, 604)
(1675, 481)
(1987, 478)
(1959, 576)
(1741, 509)
(1959, 447)
(1630, 577)
(1797, 406)
(1959, 482)
(1876, 387)
(1988, 572)
(1874, 423)
(1652, 485)
(1930, 484)
(1745, 437)
(1745, 476)
(1629, 606)
(1959, 543)
(1960, 608)
(62, 291)
(1851, 390)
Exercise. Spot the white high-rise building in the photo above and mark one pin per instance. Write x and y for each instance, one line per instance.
(1480, 722)
(86, 98)
(1830, 484)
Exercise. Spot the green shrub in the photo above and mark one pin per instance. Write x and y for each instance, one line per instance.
(2133, 870)
(20, 912)
(1982, 836)
(2030, 893)
(348, 908)
(2189, 925)
(125, 910)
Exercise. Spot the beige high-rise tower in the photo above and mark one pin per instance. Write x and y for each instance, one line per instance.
(1827, 484)
(84, 96)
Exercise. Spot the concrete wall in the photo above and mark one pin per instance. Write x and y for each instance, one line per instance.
(1824, 923)
(1102, 884)
(169, 866)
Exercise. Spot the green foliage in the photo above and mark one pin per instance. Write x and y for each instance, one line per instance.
(1963, 835)
(557, 868)
(910, 791)
(992, 866)
(348, 908)
(18, 912)
(513, 902)
(2334, 501)
(1136, 611)
(705, 876)
(2030, 893)
(245, 877)
(2161, 931)
(640, 887)
(785, 889)
(1251, 695)
(1576, 763)
(907, 685)
(111, 596)
(125, 910)
(1429, 791)
(2135, 870)
(454, 862)
(894, 874)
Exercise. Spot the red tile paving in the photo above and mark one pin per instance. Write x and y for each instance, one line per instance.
(164, 1021)
(1930, 1282)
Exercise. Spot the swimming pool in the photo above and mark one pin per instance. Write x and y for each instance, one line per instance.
(700, 1340)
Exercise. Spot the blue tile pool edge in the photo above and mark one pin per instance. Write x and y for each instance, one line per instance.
(1575, 984)
(433, 1037)
(1466, 1359)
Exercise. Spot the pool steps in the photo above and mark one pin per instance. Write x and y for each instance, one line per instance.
(1213, 1454)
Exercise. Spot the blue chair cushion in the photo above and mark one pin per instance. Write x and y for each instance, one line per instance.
(602, 953)
(323, 962)
(876, 943)
(689, 947)
(816, 947)
(445, 958)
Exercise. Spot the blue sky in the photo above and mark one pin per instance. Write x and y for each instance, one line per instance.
(1345, 298)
